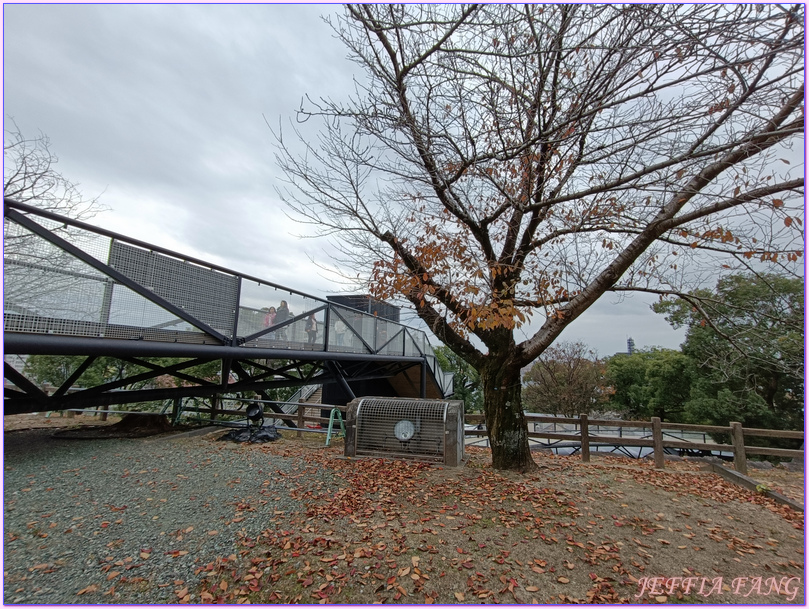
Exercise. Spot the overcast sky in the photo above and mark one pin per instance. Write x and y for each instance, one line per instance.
(160, 110)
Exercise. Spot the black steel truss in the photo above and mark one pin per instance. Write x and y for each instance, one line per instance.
(30, 398)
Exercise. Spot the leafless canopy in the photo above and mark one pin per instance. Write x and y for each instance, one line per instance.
(30, 176)
(567, 379)
(503, 161)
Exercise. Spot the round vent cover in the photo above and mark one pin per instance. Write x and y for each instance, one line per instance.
(404, 430)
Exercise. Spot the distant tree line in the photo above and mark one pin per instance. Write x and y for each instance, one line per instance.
(742, 360)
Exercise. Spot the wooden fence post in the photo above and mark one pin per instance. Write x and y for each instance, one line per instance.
(176, 410)
(739, 456)
(585, 438)
(301, 411)
(657, 443)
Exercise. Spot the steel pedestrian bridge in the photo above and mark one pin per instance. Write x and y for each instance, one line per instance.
(74, 289)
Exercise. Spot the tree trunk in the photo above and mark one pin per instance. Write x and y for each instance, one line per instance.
(505, 420)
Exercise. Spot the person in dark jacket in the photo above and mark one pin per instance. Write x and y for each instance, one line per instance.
(281, 315)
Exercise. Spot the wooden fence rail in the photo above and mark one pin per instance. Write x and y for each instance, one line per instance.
(585, 437)
(657, 439)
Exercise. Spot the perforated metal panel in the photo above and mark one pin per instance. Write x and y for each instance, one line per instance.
(401, 428)
(50, 291)
(208, 295)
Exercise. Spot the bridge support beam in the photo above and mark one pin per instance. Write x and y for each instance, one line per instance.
(338, 375)
(423, 387)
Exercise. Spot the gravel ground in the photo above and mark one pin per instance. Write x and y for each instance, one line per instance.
(139, 521)
(129, 520)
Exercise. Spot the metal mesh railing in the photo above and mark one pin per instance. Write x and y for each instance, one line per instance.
(206, 294)
(49, 291)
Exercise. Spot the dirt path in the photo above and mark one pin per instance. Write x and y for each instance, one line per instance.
(611, 531)
(57, 420)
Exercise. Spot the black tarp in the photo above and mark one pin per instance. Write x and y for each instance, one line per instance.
(253, 435)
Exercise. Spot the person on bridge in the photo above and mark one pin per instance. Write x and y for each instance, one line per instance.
(340, 331)
(311, 328)
(269, 318)
(281, 315)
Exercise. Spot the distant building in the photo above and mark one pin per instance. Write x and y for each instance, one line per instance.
(630, 347)
(367, 304)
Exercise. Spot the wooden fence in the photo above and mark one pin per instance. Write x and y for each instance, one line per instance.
(583, 437)
(657, 441)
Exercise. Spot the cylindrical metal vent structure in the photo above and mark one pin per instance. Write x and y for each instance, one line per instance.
(399, 428)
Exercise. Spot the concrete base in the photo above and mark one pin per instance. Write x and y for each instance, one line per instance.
(435, 464)
(750, 484)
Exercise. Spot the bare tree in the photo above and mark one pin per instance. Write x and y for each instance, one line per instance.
(502, 167)
(30, 176)
(39, 269)
(566, 379)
